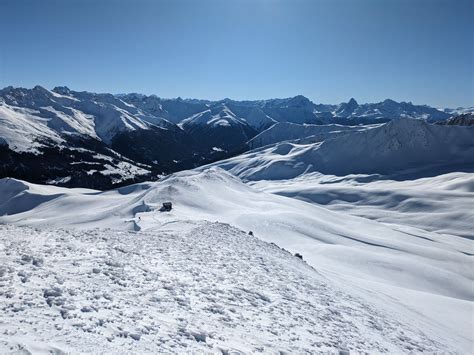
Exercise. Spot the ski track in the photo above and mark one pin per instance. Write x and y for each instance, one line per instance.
(208, 287)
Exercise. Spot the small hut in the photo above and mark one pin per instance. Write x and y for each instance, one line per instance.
(167, 206)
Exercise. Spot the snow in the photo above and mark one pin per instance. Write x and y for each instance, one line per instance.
(419, 279)
(74, 122)
(123, 170)
(447, 197)
(40, 114)
(257, 119)
(381, 214)
(20, 128)
(209, 287)
(286, 131)
(219, 116)
(392, 147)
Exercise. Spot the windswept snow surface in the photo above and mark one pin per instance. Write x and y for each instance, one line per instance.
(208, 287)
(418, 281)
(443, 203)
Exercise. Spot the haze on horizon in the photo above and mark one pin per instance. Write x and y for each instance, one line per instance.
(329, 51)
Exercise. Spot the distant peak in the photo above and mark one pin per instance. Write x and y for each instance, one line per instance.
(300, 100)
(62, 90)
(39, 88)
(352, 102)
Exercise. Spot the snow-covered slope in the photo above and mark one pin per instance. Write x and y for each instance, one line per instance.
(410, 275)
(22, 131)
(442, 203)
(210, 288)
(254, 115)
(286, 131)
(215, 117)
(389, 148)
(41, 130)
(63, 111)
(174, 110)
(219, 127)
(144, 129)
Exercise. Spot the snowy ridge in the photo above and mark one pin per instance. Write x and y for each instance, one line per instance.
(388, 109)
(286, 131)
(100, 116)
(84, 139)
(61, 111)
(395, 146)
(219, 127)
(218, 116)
(297, 109)
(146, 136)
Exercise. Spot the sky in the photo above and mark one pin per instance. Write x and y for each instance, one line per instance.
(328, 50)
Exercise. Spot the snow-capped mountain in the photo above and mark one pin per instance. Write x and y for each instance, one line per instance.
(387, 110)
(99, 116)
(219, 128)
(116, 141)
(346, 109)
(131, 137)
(464, 119)
(390, 148)
(298, 109)
(286, 131)
(459, 110)
(174, 110)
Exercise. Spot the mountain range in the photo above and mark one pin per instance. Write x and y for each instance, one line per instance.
(102, 140)
(295, 227)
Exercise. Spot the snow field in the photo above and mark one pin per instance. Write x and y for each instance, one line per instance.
(208, 288)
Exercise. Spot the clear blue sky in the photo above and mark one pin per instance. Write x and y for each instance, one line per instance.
(329, 51)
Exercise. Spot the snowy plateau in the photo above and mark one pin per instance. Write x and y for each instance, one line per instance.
(377, 199)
